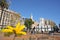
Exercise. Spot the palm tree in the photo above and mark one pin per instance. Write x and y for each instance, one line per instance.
(3, 4)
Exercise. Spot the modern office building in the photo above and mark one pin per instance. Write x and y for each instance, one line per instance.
(8, 18)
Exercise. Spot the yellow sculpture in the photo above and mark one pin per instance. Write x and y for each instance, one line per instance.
(17, 30)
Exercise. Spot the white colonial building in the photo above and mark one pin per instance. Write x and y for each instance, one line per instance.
(8, 17)
(45, 25)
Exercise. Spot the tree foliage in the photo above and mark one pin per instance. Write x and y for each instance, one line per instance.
(4, 4)
(28, 23)
(55, 28)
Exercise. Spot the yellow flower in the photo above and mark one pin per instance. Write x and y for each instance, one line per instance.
(18, 29)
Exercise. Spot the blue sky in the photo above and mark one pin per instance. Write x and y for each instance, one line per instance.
(48, 9)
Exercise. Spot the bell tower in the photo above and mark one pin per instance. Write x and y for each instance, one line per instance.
(31, 17)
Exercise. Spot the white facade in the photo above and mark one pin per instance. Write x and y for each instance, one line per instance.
(44, 27)
(8, 18)
(42, 21)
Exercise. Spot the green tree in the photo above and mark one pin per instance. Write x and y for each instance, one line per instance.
(28, 23)
(3, 4)
(55, 28)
